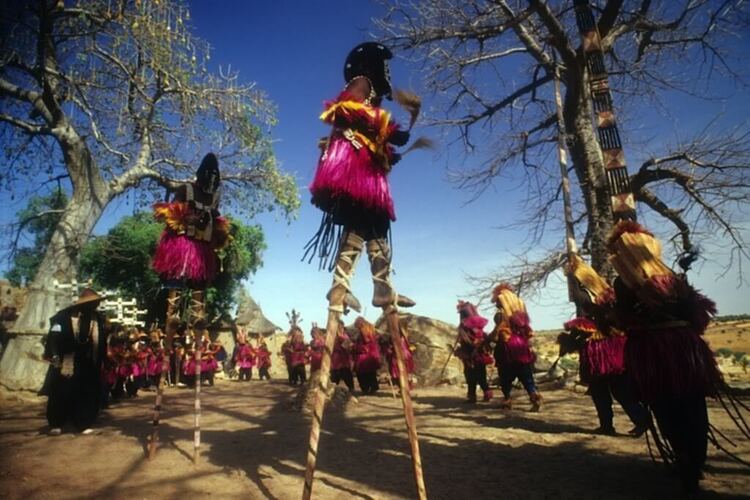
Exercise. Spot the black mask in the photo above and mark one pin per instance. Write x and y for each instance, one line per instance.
(208, 175)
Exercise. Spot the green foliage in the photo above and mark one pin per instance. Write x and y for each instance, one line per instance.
(239, 260)
(568, 364)
(37, 221)
(732, 317)
(121, 260)
(724, 352)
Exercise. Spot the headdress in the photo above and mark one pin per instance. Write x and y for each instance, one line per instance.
(594, 285)
(370, 59)
(513, 309)
(365, 327)
(506, 299)
(208, 176)
(241, 336)
(470, 318)
(636, 256)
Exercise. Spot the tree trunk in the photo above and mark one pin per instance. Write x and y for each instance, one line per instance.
(90, 197)
(588, 163)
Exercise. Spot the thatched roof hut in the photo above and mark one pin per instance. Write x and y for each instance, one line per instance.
(251, 318)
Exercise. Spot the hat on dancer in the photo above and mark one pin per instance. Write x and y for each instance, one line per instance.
(370, 59)
(208, 176)
(470, 318)
(87, 297)
(512, 307)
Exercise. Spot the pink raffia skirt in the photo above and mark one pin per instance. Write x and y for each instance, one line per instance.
(110, 375)
(517, 350)
(209, 365)
(188, 368)
(369, 360)
(604, 357)
(179, 257)
(349, 173)
(155, 365)
(245, 363)
(408, 360)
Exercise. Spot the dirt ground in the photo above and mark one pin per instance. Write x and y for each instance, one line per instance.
(254, 446)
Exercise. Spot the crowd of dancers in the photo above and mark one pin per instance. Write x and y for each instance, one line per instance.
(135, 359)
(359, 351)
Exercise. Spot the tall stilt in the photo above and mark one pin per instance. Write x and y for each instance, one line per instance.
(379, 254)
(173, 300)
(403, 380)
(346, 258)
(324, 377)
(197, 420)
(197, 320)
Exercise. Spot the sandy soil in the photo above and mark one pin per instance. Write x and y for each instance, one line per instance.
(255, 442)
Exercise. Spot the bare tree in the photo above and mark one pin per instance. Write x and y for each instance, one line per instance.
(491, 65)
(113, 96)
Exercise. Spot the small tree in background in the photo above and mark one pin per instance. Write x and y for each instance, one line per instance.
(121, 260)
(117, 96)
(37, 223)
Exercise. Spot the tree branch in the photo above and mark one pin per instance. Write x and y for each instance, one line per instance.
(646, 196)
(28, 127)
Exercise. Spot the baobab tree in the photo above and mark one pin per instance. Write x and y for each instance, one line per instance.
(491, 65)
(113, 97)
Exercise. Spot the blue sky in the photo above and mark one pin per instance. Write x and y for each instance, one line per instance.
(294, 50)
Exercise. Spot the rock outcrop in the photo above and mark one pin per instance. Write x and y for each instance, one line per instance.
(433, 340)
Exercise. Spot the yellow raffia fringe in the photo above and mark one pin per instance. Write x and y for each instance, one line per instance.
(588, 277)
(172, 215)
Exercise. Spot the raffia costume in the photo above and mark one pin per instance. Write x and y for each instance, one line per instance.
(513, 349)
(673, 368)
(351, 181)
(351, 188)
(194, 231)
(473, 350)
(185, 259)
(601, 349)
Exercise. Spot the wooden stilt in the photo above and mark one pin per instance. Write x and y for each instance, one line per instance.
(197, 319)
(403, 380)
(390, 383)
(197, 420)
(170, 327)
(324, 376)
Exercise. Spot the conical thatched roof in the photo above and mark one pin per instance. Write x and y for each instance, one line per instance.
(251, 318)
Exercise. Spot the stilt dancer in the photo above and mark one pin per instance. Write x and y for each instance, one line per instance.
(351, 188)
(185, 260)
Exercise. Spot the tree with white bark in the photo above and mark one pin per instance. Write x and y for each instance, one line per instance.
(115, 97)
(491, 64)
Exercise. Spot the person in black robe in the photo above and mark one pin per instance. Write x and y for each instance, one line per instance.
(76, 348)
